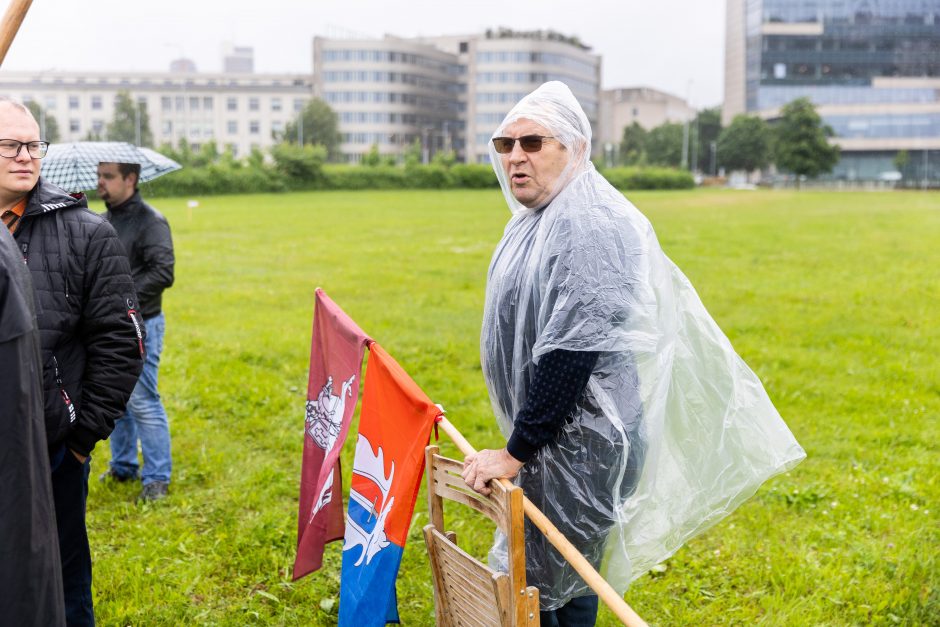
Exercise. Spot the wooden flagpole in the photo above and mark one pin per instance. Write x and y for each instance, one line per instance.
(597, 583)
(12, 19)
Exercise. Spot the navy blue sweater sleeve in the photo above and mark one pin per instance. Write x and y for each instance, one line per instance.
(559, 379)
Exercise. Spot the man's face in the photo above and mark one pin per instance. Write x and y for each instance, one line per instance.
(18, 175)
(532, 175)
(113, 188)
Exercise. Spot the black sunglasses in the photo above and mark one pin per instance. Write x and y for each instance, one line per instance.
(529, 143)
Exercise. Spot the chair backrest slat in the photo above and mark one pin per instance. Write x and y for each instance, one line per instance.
(466, 592)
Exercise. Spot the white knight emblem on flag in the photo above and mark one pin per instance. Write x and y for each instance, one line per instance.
(325, 413)
(324, 419)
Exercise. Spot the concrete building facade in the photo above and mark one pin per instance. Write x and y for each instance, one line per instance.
(240, 111)
(872, 69)
(648, 107)
(390, 93)
(447, 92)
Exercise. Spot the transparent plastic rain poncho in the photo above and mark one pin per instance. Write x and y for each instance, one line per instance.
(673, 431)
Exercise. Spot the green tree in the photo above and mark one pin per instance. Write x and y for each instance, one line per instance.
(633, 145)
(745, 144)
(901, 159)
(802, 145)
(446, 158)
(320, 125)
(707, 126)
(208, 153)
(48, 125)
(372, 158)
(664, 145)
(413, 154)
(303, 165)
(123, 127)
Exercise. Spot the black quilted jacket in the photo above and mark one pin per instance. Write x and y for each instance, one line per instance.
(90, 332)
(145, 235)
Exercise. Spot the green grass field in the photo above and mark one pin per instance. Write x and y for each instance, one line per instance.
(832, 298)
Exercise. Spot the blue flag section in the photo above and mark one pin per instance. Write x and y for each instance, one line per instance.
(369, 589)
(394, 427)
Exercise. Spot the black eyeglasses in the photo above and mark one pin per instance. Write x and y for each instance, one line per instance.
(10, 148)
(529, 143)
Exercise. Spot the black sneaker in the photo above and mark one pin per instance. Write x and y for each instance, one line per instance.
(110, 475)
(154, 491)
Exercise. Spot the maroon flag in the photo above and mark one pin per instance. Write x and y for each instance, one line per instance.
(332, 391)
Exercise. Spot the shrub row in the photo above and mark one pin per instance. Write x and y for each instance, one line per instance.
(649, 178)
(222, 178)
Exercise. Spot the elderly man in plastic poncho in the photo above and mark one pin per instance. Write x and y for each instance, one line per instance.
(631, 422)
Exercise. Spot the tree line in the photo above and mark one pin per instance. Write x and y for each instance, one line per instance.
(796, 142)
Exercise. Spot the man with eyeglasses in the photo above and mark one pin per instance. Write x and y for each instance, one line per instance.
(90, 332)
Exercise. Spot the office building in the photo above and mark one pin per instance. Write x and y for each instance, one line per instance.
(238, 59)
(391, 93)
(448, 92)
(648, 107)
(872, 69)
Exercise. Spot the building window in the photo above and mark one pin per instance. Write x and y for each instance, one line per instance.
(51, 103)
(231, 104)
(207, 103)
(233, 148)
(96, 103)
(253, 104)
(232, 127)
(167, 127)
(298, 104)
(75, 126)
(275, 104)
(277, 126)
(194, 103)
(73, 102)
(254, 127)
(166, 103)
(97, 125)
(180, 103)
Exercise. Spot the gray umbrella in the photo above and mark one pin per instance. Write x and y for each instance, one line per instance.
(74, 166)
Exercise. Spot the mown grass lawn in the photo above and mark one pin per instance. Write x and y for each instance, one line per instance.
(832, 298)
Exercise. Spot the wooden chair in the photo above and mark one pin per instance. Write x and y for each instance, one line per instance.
(467, 592)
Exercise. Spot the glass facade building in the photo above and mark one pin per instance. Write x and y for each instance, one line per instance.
(872, 67)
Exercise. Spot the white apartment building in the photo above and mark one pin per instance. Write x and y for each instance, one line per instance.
(240, 111)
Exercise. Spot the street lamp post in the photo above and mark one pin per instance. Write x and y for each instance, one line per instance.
(137, 124)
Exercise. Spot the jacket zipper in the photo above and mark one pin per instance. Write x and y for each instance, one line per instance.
(65, 395)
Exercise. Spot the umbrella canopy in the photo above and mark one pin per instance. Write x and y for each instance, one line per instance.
(74, 166)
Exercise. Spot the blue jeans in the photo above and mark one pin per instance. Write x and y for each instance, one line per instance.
(578, 612)
(145, 418)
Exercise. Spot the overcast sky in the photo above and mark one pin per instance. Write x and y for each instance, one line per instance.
(673, 45)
